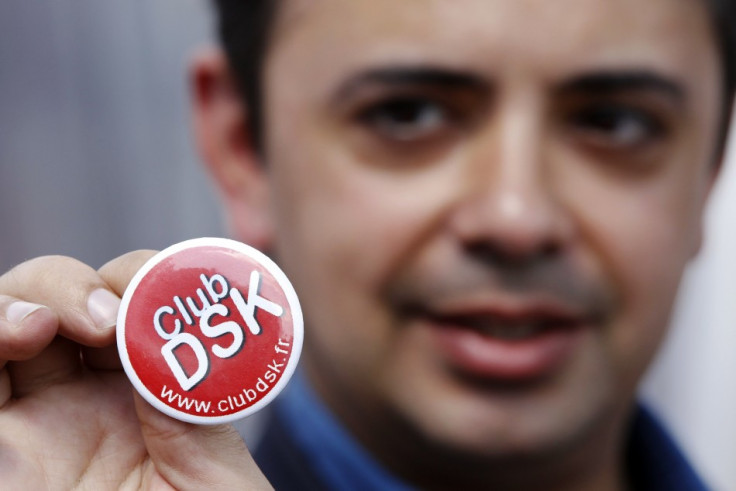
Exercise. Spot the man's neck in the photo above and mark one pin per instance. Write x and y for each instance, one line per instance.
(594, 461)
(598, 464)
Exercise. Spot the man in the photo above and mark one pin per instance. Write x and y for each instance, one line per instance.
(486, 208)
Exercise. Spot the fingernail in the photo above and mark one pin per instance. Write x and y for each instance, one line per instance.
(17, 311)
(102, 306)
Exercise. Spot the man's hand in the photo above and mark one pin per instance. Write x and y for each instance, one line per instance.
(68, 415)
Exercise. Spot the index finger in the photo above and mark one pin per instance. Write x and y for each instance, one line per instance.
(85, 305)
(117, 274)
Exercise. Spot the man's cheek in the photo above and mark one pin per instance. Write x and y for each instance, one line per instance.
(648, 291)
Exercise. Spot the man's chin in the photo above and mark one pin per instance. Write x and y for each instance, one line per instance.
(500, 418)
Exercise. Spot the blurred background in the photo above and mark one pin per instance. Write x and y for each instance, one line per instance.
(96, 159)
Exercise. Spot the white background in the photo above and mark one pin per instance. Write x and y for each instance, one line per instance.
(96, 159)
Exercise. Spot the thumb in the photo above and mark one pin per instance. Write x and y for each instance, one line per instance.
(191, 456)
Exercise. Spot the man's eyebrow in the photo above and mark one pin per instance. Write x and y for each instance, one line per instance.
(614, 82)
(438, 77)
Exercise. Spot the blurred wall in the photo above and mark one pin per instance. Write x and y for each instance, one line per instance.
(96, 159)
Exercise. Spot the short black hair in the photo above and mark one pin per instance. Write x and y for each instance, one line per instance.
(723, 17)
(244, 28)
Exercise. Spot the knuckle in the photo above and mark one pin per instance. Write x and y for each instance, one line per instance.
(130, 258)
(138, 256)
(34, 273)
(64, 264)
(42, 265)
(118, 272)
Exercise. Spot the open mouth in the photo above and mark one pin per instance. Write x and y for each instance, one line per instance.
(515, 329)
(512, 344)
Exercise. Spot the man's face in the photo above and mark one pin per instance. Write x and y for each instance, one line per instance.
(486, 206)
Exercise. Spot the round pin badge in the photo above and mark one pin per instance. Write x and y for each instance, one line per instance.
(209, 330)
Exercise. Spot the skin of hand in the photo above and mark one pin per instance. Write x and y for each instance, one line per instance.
(68, 415)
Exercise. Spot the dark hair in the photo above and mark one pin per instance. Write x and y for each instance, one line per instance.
(723, 16)
(245, 27)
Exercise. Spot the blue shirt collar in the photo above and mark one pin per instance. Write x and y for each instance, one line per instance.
(333, 453)
(654, 461)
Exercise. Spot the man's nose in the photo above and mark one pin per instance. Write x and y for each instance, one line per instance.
(511, 210)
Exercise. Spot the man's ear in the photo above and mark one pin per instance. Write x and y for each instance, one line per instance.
(221, 128)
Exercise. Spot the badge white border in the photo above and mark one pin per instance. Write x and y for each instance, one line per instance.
(281, 279)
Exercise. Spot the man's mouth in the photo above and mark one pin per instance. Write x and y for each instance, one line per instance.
(517, 341)
(517, 329)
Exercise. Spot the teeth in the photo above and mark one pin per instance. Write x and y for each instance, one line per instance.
(510, 331)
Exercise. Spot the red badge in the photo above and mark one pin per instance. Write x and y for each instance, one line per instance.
(209, 330)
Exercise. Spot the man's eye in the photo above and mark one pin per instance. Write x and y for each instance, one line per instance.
(617, 126)
(405, 118)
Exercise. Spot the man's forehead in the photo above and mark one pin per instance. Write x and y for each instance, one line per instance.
(551, 28)
(552, 38)
(492, 14)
